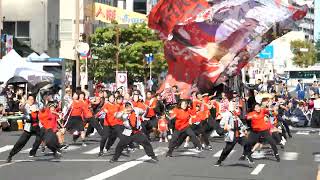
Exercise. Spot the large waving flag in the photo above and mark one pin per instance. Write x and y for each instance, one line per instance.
(205, 45)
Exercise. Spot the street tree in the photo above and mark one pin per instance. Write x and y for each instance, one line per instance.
(304, 53)
(318, 50)
(134, 42)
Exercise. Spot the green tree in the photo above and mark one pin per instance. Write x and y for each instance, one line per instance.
(134, 42)
(304, 53)
(318, 50)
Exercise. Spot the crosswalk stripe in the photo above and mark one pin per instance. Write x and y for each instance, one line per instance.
(317, 158)
(6, 148)
(26, 151)
(190, 152)
(118, 169)
(258, 169)
(93, 151)
(71, 148)
(218, 154)
(303, 132)
(290, 156)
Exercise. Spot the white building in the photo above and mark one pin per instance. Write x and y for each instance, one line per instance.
(34, 22)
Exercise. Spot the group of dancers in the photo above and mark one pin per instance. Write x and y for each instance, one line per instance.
(133, 119)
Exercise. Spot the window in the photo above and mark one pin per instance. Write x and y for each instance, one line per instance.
(303, 74)
(19, 29)
(66, 29)
(23, 29)
(9, 28)
(49, 34)
(140, 6)
(57, 32)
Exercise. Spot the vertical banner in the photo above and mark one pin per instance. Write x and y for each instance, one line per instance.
(122, 80)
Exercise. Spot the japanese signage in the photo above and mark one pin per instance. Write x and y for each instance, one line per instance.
(108, 14)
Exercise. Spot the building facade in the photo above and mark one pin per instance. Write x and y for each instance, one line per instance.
(317, 20)
(310, 24)
(33, 22)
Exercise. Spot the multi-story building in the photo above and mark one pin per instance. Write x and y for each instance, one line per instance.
(316, 31)
(310, 24)
(33, 22)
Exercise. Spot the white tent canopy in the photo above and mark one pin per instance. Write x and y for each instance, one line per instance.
(14, 65)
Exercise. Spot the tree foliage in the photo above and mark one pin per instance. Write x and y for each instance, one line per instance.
(134, 42)
(318, 50)
(304, 53)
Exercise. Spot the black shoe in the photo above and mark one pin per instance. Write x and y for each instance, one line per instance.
(218, 163)
(57, 155)
(277, 157)
(250, 160)
(209, 148)
(9, 159)
(290, 136)
(112, 160)
(100, 154)
(169, 154)
(242, 158)
(154, 158)
(281, 146)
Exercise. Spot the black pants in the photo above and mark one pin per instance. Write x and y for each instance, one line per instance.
(179, 136)
(254, 138)
(51, 140)
(24, 138)
(315, 119)
(201, 129)
(139, 138)
(108, 132)
(276, 137)
(230, 145)
(286, 126)
(94, 124)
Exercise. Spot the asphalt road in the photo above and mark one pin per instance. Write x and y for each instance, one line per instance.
(299, 161)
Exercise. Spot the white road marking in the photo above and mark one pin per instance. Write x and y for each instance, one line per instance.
(317, 158)
(303, 132)
(189, 152)
(290, 156)
(125, 166)
(7, 164)
(218, 154)
(71, 148)
(6, 148)
(258, 169)
(26, 151)
(93, 151)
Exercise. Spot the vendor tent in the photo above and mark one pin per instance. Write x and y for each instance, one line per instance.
(14, 65)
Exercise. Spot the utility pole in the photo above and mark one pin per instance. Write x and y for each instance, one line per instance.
(118, 48)
(76, 41)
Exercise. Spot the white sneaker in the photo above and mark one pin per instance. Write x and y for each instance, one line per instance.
(203, 145)
(186, 145)
(140, 147)
(284, 139)
(84, 145)
(160, 140)
(166, 140)
(214, 134)
(94, 133)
